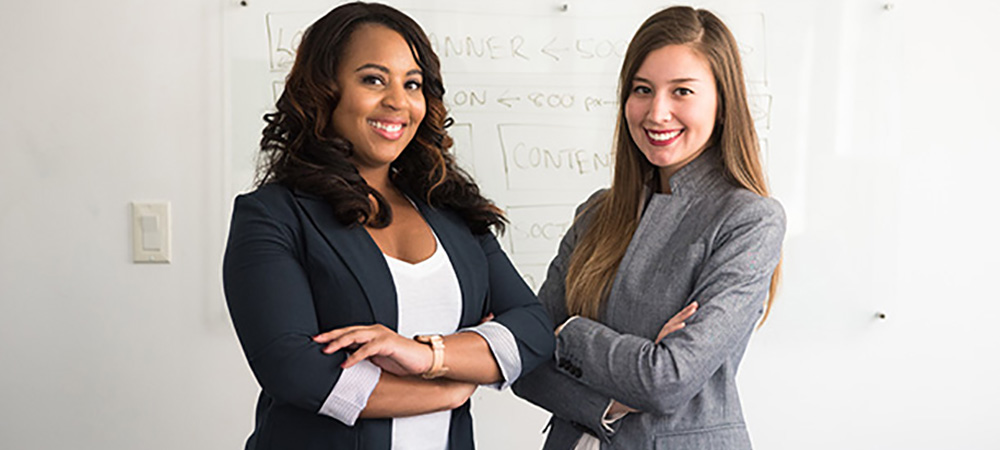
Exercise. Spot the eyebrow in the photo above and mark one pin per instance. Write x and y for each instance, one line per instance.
(385, 70)
(674, 81)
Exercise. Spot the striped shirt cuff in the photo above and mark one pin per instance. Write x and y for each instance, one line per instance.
(350, 395)
(504, 348)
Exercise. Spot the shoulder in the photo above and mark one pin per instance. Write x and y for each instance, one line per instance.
(742, 203)
(593, 200)
(744, 213)
(586, 210)
(274, 201)
(268, 194)
(589, 206)
(747, 205)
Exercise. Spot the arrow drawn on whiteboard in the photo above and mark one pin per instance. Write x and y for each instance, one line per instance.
(506, 100)
(550, 50)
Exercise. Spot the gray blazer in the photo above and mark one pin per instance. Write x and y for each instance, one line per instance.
(708, 241)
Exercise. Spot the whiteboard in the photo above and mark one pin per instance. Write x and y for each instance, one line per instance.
(532, 89)
(532, 92)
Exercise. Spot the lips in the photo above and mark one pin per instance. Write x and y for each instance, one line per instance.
(388, 129)
(662, 138)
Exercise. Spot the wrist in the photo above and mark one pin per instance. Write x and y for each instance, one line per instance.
(563, 325)
(436, 345)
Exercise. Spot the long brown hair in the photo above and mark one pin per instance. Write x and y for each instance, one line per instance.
(300, 148)
(595, 260)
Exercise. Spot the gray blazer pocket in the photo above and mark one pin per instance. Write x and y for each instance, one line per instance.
(725, 437)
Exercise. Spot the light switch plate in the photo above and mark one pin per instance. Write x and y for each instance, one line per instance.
(151, 232)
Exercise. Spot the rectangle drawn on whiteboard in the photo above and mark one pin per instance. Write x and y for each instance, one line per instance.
(550, 157)
(533, 274)
(760, 110)
(538, 229)
(749, 31)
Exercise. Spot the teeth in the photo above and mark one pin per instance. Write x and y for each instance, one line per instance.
(390, 127)
(663, 136)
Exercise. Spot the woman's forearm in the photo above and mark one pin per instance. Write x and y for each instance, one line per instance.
(467, 355)
(396, 396)
(468, 358)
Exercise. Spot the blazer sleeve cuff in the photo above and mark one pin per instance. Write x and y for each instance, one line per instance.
(350, 395)
(504, 349)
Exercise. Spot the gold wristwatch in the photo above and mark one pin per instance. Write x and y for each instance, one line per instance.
(437, 364)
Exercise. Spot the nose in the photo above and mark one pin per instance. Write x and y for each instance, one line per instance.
(661, 109)
(395, 96)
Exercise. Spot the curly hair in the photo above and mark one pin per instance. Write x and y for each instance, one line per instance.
(301, 150)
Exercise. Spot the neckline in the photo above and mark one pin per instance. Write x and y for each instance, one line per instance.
(437, 250)
(426, 262)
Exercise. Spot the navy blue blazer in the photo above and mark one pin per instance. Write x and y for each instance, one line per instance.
(291, 271)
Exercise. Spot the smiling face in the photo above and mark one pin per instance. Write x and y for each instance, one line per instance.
(381, 102)
(671, 108)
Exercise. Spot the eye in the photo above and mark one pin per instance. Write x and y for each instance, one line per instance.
(641, 90)
(413, 85)
(682, 91)
(373, 80)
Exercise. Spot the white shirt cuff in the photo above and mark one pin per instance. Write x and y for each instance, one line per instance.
(350, 395)
(563, 325)
(504, 348)
(609, 418)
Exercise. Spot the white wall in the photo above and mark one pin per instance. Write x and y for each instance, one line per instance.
(111, 101)
(105, 102)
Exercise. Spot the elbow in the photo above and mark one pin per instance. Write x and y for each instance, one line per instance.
(285, 385)
(458, 401)
(541, 351)
(548, 347)
(667, 398)
(457, 394)
(547, 340)
(662, 404)
(296, 373)
(663, 392)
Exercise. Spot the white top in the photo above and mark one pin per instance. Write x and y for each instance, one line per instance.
(429, 301)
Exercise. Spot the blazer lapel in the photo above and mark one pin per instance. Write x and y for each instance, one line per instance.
(360, 254)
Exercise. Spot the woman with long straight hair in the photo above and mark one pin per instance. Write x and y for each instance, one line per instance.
(660, 281)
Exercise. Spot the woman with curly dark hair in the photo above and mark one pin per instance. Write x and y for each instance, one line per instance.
(358, 274)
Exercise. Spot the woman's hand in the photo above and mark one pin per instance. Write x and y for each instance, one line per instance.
(677, 321)
(384, 347)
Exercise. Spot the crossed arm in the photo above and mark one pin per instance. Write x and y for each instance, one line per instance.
(272, 306)
(658, 376)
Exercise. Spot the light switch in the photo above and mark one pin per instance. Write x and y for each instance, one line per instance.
(151, 232)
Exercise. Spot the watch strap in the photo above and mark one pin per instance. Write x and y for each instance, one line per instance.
(436, 342)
